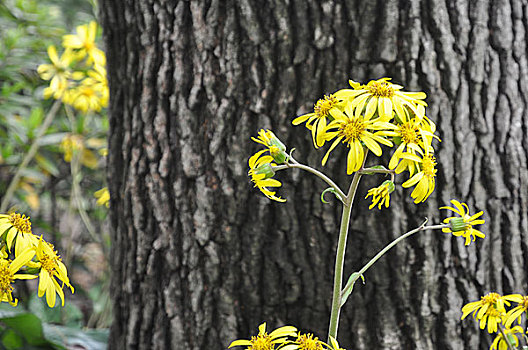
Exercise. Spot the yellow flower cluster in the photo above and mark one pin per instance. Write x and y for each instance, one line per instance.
(26, 256)
(378, 113)
(78, 75)
(491, 311)
(284, 338)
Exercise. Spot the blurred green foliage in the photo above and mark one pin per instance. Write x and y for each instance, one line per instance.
(61, 206)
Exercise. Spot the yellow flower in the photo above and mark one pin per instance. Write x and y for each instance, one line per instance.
(275, 147)
(489, 309)
(51, 269)
(73, 144)
(317, 120)
(383, 97)
(424, 179)
(8, 273)
(58, 72)
(103, 196)
(305, 342)
(355, 131)
(499, 343)
(261, 172)
(84, 41)
(19, 227)
(265, 341)
(89, 95)
(381, 194)
(517, 311)
(463, 225)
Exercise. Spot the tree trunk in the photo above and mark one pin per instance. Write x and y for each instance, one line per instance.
(200, 258)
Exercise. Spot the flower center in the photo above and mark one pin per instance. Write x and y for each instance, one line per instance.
(5, 277)
(428, 166)
(352, 130)
(409, 132)
(48, 263)
(274, 150)
(323, 106)
(306, 342)
(261, 342)
(20, 222)
(382, 89)
(524, 303)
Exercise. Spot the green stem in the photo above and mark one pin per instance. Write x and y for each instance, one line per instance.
(29, 155)
(506, 339)
(317, 173)
(422, 227)
(340, 256)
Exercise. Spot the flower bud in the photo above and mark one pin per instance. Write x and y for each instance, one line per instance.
(265, 169)
(458, 224)
(278, 155)
(390, 185)
(274, 141)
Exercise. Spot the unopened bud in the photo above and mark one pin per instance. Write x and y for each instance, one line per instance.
(265, 169)
(278, 155)
(458, 224)
(390, 185)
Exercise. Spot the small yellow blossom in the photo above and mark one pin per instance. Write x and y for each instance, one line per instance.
(8, 273)
(84, 41)
(383, 97)
(489, 310)
(260, 171)
(424, 179)
(58, 71)
(18, 229)
(516, 312)
(265, 341)
(51, 269)
(354, 132)
(275, 147)
(88, 96)
(317, 120)
(499, 343)
(463, 225)
(103, 196)
(381, 194)
(305, 342)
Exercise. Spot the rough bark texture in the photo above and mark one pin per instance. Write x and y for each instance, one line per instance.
(200, 258)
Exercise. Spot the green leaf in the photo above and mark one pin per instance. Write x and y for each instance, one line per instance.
(10, 340)
(27, 326)
(73, 338)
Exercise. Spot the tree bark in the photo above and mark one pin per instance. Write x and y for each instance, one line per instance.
(200, 258)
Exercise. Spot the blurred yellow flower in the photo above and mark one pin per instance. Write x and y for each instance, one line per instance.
(73, 144)
(355, 131)
(265, 341)
(463, 225)
(58, 72)
(84, 41)
(89, 95)
(103, 196)
(8, 273)
(260, 171)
